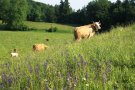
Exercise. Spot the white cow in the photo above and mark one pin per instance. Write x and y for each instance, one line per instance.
(14, 53)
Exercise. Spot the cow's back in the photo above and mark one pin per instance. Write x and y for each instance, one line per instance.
(38, 47)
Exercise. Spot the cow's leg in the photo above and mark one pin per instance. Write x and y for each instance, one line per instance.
(77, 36)
(78, 39)
(88, 36)
(92, 34)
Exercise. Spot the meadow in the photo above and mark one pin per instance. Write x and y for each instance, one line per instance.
(104, 62)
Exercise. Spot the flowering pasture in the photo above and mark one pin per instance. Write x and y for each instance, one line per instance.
(104, 62)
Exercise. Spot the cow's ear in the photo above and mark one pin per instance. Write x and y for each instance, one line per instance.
(93, 25)
(99, 22)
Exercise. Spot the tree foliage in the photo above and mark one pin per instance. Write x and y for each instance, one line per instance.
(13, 13)
(64, 11)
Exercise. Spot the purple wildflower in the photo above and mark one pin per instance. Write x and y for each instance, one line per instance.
(104, 78)
(75, 59)
(30, 69)
(28, 80)
(37, 70)
(45, 65)
(1, 85)
(4, 77)
(10, 80)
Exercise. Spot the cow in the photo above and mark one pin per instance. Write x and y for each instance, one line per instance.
(14, 53)
(39, 47)
(86, 31)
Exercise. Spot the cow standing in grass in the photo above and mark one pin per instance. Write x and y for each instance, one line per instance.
(86, 31)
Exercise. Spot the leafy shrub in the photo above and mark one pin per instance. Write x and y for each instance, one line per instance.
(17, 27)
(52, 29)
(2, 27)
(32, 29)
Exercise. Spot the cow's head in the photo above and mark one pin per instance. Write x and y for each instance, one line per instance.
(97, 25)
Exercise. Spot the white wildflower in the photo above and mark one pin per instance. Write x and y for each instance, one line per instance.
(87, 84)
(84, 79)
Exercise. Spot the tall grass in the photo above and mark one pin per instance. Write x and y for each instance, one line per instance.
(104, 62)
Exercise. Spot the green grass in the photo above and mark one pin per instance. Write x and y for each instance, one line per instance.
(42, 26)
(104, 62)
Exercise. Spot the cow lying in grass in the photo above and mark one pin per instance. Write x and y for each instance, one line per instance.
(39, 47)
(86, 31)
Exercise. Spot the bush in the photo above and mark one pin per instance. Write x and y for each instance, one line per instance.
(32, 29)
(52, 29)
(2, 27)
(17, 27)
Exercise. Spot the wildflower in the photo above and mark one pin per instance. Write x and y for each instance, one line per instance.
(79, 64)
(1, 86)
(81, 58)
(87, 84)
(30, 69)
(68, 77)
(121, 29)
(75, 59)
(84, 79)
(74, 85)
(10, 80)
(45, 65)
(0, 78)
(82, 62)
(104, 78)
(45, 80)
(86, 75)
(28, 80)
(4, 77)
(36, 70)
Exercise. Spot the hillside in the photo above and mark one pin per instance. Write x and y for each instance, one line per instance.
(42, 26)
(104, 62)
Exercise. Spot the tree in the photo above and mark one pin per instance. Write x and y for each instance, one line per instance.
(98, 10)
(64, 11)
(14, 12)
(35, 12)
(132, 2)
(122, 13)
(129, 11)
(116, 13)
(56, 7)
(61, 13)
(50, 14)
(4, 9)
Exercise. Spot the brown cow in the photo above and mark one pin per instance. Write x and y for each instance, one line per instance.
(86, 31)
(39, 47)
